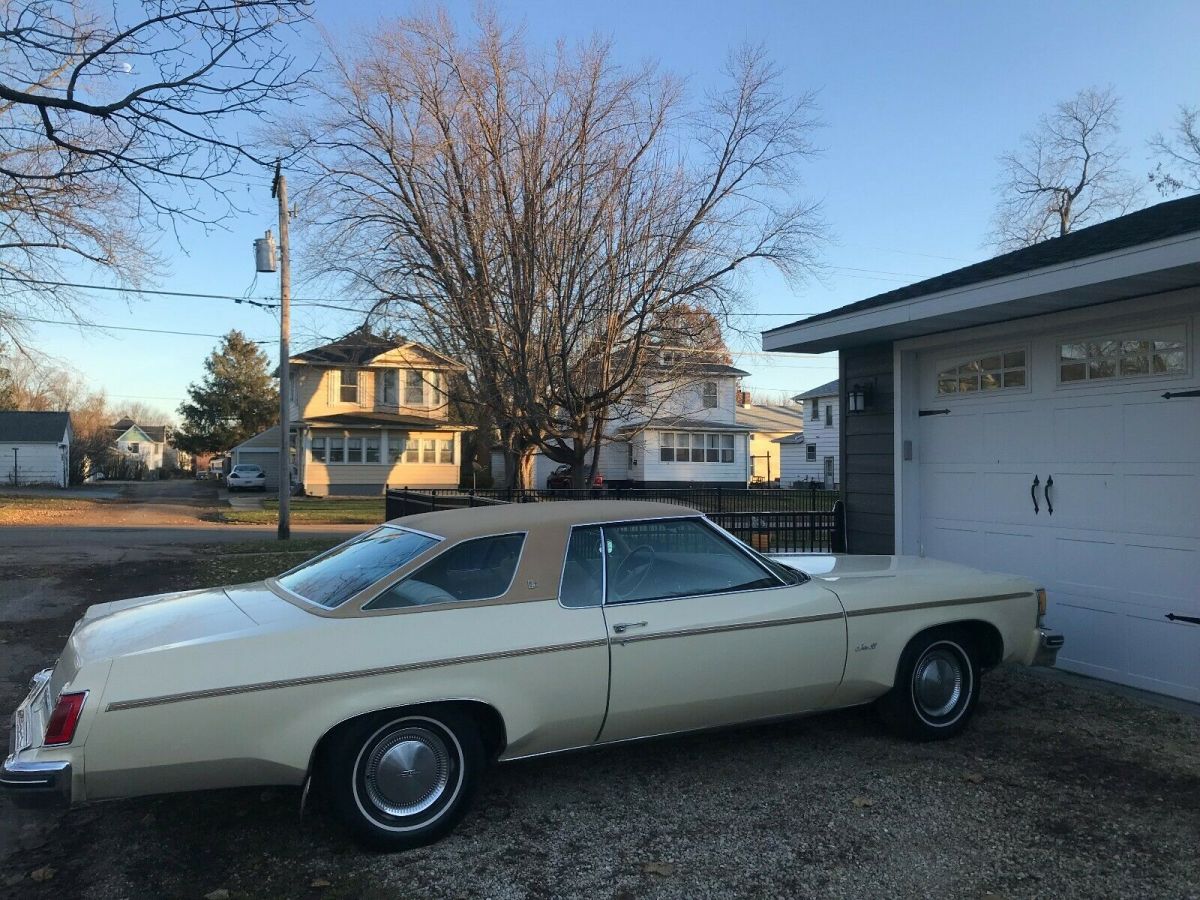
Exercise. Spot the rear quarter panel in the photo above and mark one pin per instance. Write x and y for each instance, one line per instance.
(254, 707)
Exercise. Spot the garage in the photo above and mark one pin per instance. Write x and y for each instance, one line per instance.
(1039, 413)
(1091, 485)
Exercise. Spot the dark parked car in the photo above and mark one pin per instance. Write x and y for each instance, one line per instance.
(560, 479)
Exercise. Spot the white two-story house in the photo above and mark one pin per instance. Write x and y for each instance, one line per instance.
(367, 412)
(148, 444)
(680, 431)
(812, 454)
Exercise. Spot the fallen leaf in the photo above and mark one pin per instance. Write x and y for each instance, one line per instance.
(973, 777)
(45, 873)
(862, 802)
(658, 868)
(320, 883)
(218, 894)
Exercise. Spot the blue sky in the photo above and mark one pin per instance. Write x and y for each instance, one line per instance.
(918, 99)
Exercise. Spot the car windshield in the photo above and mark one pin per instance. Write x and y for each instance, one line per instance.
(246, 470)
(335, 577)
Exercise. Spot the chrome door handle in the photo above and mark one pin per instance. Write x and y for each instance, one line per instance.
(622, 627)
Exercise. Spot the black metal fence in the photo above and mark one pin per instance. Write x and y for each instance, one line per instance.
(795, 526)
(708, 500)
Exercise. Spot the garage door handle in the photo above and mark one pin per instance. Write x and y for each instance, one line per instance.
(1033, 493)
(1046, 493)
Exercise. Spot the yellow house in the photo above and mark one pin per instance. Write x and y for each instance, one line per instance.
(367, 412)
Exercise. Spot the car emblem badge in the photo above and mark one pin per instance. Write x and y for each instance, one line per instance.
(531, 584)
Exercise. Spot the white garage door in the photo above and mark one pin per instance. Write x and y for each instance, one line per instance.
(1060, 459)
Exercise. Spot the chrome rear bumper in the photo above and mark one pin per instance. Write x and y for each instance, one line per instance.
(33, 782)
(1049, 643)
(36, 784)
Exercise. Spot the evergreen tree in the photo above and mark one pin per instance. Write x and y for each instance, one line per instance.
(236, 399)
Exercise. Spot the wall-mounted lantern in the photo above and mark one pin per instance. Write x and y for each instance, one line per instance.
(858, 398)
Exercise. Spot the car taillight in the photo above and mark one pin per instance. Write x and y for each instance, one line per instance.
(61, 727)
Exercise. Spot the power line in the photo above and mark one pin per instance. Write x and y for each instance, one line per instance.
(105, 327)
(120, 290)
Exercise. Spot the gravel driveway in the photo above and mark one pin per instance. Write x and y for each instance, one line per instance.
(1057, 789)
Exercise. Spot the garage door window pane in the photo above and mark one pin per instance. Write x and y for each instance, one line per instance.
(675, 558)
(481, 569)
(1155, 351)
(992, 371)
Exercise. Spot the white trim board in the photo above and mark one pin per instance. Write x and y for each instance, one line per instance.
(1150, 262)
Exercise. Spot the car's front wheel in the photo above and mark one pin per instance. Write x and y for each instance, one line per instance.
(936, 687)
(402, 780)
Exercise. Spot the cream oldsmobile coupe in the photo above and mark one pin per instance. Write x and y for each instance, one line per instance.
(391, 670)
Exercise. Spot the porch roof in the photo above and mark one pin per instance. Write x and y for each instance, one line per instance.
(383, 420)
(673, 424)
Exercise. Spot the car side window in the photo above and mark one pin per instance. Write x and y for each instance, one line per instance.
(583, 572)
(479, 569)
(659, 559)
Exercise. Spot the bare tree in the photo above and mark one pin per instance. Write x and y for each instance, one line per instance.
(1068, 172)
(544, 219)
(118, 121)
(1178, 152)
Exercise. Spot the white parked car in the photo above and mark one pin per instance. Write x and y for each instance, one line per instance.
(390, 671)
(246, 477)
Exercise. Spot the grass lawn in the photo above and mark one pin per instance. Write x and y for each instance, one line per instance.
(312, 511)
(39, 509)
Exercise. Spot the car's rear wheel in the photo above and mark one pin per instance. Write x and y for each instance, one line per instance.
(936, 687)
(402, 780)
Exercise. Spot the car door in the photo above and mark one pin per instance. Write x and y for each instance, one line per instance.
(702, 633)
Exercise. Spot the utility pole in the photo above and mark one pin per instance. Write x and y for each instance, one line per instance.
(279, 191)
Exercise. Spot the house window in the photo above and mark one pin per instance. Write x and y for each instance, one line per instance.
(685, 447)
(133, 447)
(1161, 351)
(414, 388)
(395, 446)
(437, 389)
(828, 415)
(318, 449)
(990, 372)
(387, 385)
(816, 411)
(337, 449)
(349, 386)
(727, 448)
(710, 395)
(429, 450)
(446, 453)
(810, 453)
(354, 450)
(412, 452)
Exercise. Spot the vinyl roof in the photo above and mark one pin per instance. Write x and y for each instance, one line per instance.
(479, 521)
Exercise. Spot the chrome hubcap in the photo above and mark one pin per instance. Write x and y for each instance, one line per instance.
(938, 682)
(407, 772)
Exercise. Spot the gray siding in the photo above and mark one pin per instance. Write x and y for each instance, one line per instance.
(868, 464)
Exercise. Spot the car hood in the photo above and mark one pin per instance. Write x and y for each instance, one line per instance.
(144, 624)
